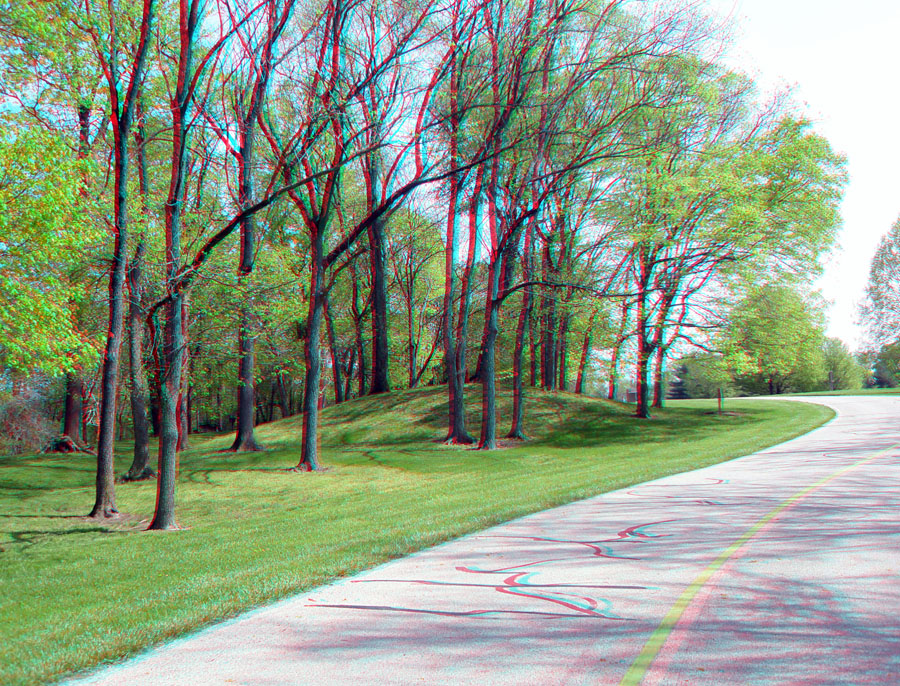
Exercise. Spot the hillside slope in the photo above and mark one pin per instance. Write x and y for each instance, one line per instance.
(74, 593)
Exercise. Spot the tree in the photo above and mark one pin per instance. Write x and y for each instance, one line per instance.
(841, 368)
(702, 375)
(235, 123)
(777, 333)
(880, 309)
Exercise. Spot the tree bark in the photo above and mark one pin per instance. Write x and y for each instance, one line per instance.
(562, 351)
(309, 455)
(645, 350)
(245, 439)
(585, 354)
(453, 346)
(172, 358)
(517, 429)
(488, 368)
(358, 316)
(335, 358)
(72, 411)
(105, 501)
(659, 394)
(380, 344)
(140, 463)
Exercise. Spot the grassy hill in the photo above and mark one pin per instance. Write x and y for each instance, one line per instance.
(74, 593)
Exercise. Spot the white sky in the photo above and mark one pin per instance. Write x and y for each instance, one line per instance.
(843, 59)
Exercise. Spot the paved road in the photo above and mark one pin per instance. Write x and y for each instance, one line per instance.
(777, 568)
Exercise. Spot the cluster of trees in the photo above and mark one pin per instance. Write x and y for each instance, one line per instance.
(311, 201)
(773, 342)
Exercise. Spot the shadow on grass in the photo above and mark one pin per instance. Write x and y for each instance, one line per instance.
(599, 427)
(28, 538)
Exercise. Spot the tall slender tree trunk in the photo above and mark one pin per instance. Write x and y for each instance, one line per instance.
(105, 501)
(169, 393)
(309, 455)
(621, 337)
(172, 357)
(335, 358)
(455, 376)
(380, 344)
(140, 463)
(644, 353)
(183, 411)
(72, 410)
(488, 371)
(585, 354)
(245, 438)
(413, 348)
(659, 394)
(548, 325)
(358, 316)
(518, 414)
(562, 343)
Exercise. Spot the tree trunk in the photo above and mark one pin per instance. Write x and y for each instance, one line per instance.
(413, 347)
(309, 455)
(105, 501)
(169, 394)
(380, 345)
(360, 342)
(351, 363)
(245, 439)
(283, 401)
(457, 433)
(562, 350)
(532, 352)
(643, 379)
(488, 369)
(659, 394)
(72, 412)
(517, 429)
(335, 359)
(184, 410)
(140, 463)
(585, 354)
(172, 357)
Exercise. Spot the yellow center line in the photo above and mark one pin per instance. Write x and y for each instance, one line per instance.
(654, 644)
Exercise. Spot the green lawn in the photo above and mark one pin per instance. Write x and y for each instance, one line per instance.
(74, 593)
(858, 391)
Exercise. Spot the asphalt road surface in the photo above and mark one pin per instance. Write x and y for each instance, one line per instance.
(777, 568)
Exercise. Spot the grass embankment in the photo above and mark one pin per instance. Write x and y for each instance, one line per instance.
(74, 593)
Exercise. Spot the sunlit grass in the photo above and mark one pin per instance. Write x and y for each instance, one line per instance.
(76, 593)
(856, 391)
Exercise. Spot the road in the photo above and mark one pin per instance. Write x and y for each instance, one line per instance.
(776, 568)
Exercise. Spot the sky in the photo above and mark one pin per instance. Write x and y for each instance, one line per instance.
(842, 61)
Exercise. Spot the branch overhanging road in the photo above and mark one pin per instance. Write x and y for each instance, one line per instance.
(776, 568)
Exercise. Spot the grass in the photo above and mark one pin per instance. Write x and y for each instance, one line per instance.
(857, 391)
(75, 593)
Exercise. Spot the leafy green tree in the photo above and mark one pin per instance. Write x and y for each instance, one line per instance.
(45, 230)
(702, 375)
(777, 333)
(842, 369)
